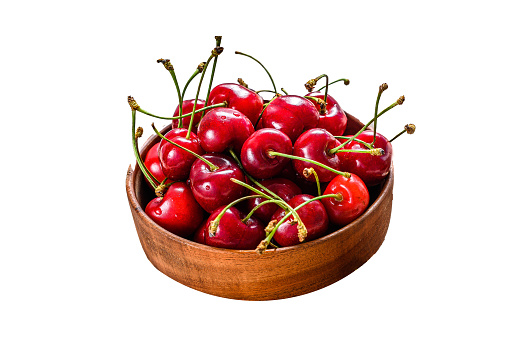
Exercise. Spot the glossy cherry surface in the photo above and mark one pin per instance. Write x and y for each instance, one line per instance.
(224, 128)
(187, 108)
(254, 153)
(177, 211)
(314, 218)
(213, 189)
(334, 120)
(284, 188)
(371, 169)
(152, 162)
(355, 199)
(314, 144)
(244, 100)
(176, 162)
(232, 232)
(290, 114)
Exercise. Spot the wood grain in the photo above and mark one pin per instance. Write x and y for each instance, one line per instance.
(278, 273)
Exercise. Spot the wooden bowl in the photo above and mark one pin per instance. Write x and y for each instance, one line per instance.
(276, 274)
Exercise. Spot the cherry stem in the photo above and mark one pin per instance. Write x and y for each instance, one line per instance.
(280, 203)
(240, 53)
(212, 167)
(285, 92)
(264, 90)
(273, 153)
(398, 102)
(262, 111)
(213, 225)
(224, 104)
(307, 172)
(149, 176)
(262, 246)
(409, 128)
(369, 146)
(166, 63)
(382, 88)
(346, 82)
(218, 41)
(326, 86)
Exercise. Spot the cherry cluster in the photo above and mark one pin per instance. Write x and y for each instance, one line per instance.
(236, 171)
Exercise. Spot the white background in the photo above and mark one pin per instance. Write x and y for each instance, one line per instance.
(71, 262)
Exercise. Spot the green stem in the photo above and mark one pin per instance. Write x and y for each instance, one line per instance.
(273, 153)
(265, 91)
(197, 97)
(224, 104)
(273, 83)
(218, 41)
(180, 97)
(261, 114)
(285, 92)
(149, 176)
(212, 167)
(369, 146)
(326, 86)
(311, 170)
(346, 82)
(259, 206)
(399, 134)
(213, 225)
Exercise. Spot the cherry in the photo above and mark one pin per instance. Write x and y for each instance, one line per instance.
(371, 169)
(177, 211)
(187, 108)
(152, 162)
(176, 162)
(200, 234)
(315, 144)
(234, 231)
(224, 128)
(254, 153)
(291, 115)
(331, 118)
(313, 215)
(355, 199)
(284, 188)
(242, 99)
(213, 188)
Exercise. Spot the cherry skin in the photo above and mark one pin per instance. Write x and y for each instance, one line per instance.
(200, 234)
(284, 188)
(355, 199)
(177, 211)
(255, 159)
(290, 114)
(213, 189)
(187, 108)
(334, 120)
(176, 162)
(232, 232)
(371, 169)
(315, 144)
(242, 99)
(314, 218)
(152, 162)
(224, 128)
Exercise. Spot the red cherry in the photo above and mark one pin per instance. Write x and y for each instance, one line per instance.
(200, 234)
(313, 216)
(224, 128)
(187, 108)
(177, 211)
(255, 159)
(152, 162)
(232, 232)
(213, 189)
(176, 162)
(284, 188)
(315, 144)
(291, 115)
(371, 169)
(355, 199)
(245, 100)
(334, 120)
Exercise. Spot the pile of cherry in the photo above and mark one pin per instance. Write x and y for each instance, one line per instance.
(236, 171)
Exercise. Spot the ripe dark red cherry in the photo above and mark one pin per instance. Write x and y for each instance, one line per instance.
(284, 188)
(177, 211)
(176, 162)
(291, 115)
(334, 119)
(314, 218)
(371, 169)
(224, 128)
(244, 100)
(213, 189)
(254, 153)
(232, 232)
(152, 162)
(315, 144)
(355, 199)
(187, 108)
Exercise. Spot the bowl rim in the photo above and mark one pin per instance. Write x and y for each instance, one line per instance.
(135, 204)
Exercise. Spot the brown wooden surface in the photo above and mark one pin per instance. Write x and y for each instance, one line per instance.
(277, 274)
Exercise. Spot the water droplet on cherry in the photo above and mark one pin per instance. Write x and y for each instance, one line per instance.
(157, 211)
(223, 117)
(236, 114)
(207, 187)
